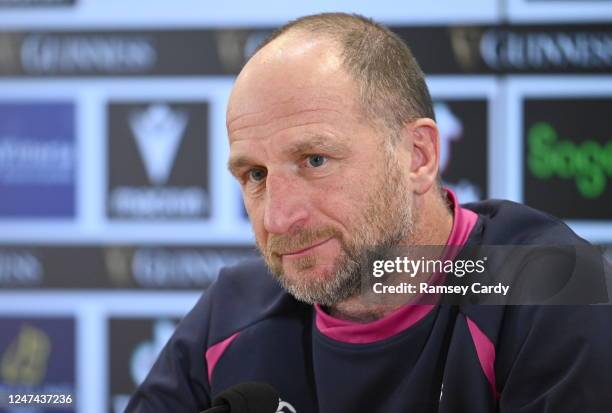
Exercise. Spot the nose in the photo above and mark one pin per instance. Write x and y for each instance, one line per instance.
(285, 205)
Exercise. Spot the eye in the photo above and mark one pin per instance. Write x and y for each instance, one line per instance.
(256, 175)
(314, 161)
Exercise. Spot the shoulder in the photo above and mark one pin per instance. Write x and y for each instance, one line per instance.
(248, 282)
(243, 295)
(506, 222)
(542, 261)
(555, 343)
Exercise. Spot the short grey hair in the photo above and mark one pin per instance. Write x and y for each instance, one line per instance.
(391, 84)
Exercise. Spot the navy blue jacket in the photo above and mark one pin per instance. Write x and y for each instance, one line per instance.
(454, 358)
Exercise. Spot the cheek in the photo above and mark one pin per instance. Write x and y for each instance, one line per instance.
(255, 215)
(342, 202)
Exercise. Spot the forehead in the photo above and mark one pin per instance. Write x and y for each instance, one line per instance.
(294, 82)
(298, 113)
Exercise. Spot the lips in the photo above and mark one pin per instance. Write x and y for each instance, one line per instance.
(305, 250)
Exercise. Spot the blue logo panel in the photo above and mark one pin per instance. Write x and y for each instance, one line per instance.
(37, 160)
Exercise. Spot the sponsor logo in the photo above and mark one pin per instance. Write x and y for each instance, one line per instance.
(20, 268)
(546, 49)
(73, 54)
(116, 266)
(32, 161)
(145, 354)
(589, 163)
(37, 159)
(169, 141)
(118, 262)
(568, 164)
(155, 203)
(567, 48)
(456, 162)
(25, 360)
(135, 345)
(464, 43)
(158, 131)
(577, 48)
(37, 356)
(157, 267)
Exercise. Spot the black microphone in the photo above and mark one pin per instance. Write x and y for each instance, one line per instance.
(250, 397)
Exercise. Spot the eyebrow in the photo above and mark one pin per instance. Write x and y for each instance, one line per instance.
(317, 143)
(238, 162)
(311, 145)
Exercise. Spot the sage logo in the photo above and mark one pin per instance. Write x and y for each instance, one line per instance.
(157, 160)
(568, 156)
(589, 163)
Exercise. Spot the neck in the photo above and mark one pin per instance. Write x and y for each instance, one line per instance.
(433, 227)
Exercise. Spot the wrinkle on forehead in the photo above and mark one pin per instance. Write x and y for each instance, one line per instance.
(323, 107)
(262, 134)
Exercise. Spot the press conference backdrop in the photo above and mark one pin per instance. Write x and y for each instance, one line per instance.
(116, 209)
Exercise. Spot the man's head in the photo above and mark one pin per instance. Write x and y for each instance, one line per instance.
(333, 142)
(391, 84)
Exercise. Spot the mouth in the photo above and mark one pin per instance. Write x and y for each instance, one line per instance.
(304, 251)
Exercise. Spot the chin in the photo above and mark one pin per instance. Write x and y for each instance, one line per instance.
(315, 273)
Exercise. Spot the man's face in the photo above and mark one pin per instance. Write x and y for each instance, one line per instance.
(321, 185)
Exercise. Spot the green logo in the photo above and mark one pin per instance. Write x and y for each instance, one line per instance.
(588, 162)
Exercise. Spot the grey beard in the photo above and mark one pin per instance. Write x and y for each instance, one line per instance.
(352, 269)
(344, 284)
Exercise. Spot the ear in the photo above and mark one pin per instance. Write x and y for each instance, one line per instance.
(425, 150)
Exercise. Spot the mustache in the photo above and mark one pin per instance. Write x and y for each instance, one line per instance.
(283, 244)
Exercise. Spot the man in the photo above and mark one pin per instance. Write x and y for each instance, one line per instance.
(333, 142)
